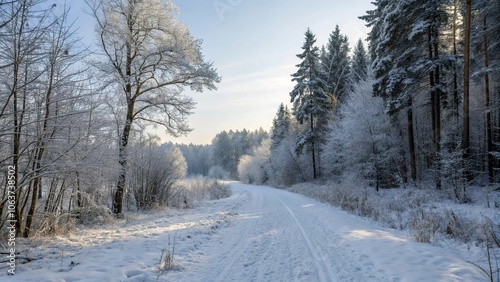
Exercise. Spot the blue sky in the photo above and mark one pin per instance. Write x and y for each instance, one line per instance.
(253, 44)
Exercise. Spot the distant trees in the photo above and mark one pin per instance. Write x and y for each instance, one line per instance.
(229, 146)
(151, 57)
(197, 157)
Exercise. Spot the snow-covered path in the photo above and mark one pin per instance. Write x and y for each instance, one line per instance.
(259, 234)
(281, 236)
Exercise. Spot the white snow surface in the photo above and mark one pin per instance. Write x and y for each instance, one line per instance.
(258, 234)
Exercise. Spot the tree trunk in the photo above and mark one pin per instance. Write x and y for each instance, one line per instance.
(15, 162)
(122, 160)
(489, 141)
(315, 174)
(466, 132)
(455, 55)
(411, 143)
(122, 154)
(17, 124)
(434, 81)
(31, 210)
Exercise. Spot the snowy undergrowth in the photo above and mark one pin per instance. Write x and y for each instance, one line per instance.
(195, 190)
(429, 215)
(171, 240)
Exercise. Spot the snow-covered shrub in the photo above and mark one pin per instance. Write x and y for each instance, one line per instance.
(195, 190)
(287, 167)
(244, 174)
(428, 215)
(218, 172)
(154, 174)
(424, 225)
(219, 190)
(54, 223)
(184, 198)
(97, 215)
(256, 168)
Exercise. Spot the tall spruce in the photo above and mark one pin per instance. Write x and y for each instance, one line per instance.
(281, 126)
(335, 62)
(309, 97)
(359, 63)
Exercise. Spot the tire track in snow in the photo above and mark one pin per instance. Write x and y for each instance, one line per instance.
(238, 247)
(320, 264)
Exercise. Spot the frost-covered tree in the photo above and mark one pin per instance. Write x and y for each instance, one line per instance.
(256, 167)
(222, 151)
(390, 54)
(363, 143)
(310, 97)
(148, 58)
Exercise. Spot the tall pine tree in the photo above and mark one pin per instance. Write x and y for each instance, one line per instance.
(309, 96)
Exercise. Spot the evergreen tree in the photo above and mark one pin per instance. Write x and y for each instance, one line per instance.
(335, 62)
(375, 20)
(309, 96)
(222, 151)
(390, 54)
(359, 63)
(406, 57)
(281, 126)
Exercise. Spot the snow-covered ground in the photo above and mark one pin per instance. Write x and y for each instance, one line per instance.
(258, 234)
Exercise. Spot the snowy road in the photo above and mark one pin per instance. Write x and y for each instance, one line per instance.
(258, 234)
(281, 236)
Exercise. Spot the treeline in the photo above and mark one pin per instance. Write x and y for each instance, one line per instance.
(220, 158)
(419, 106)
